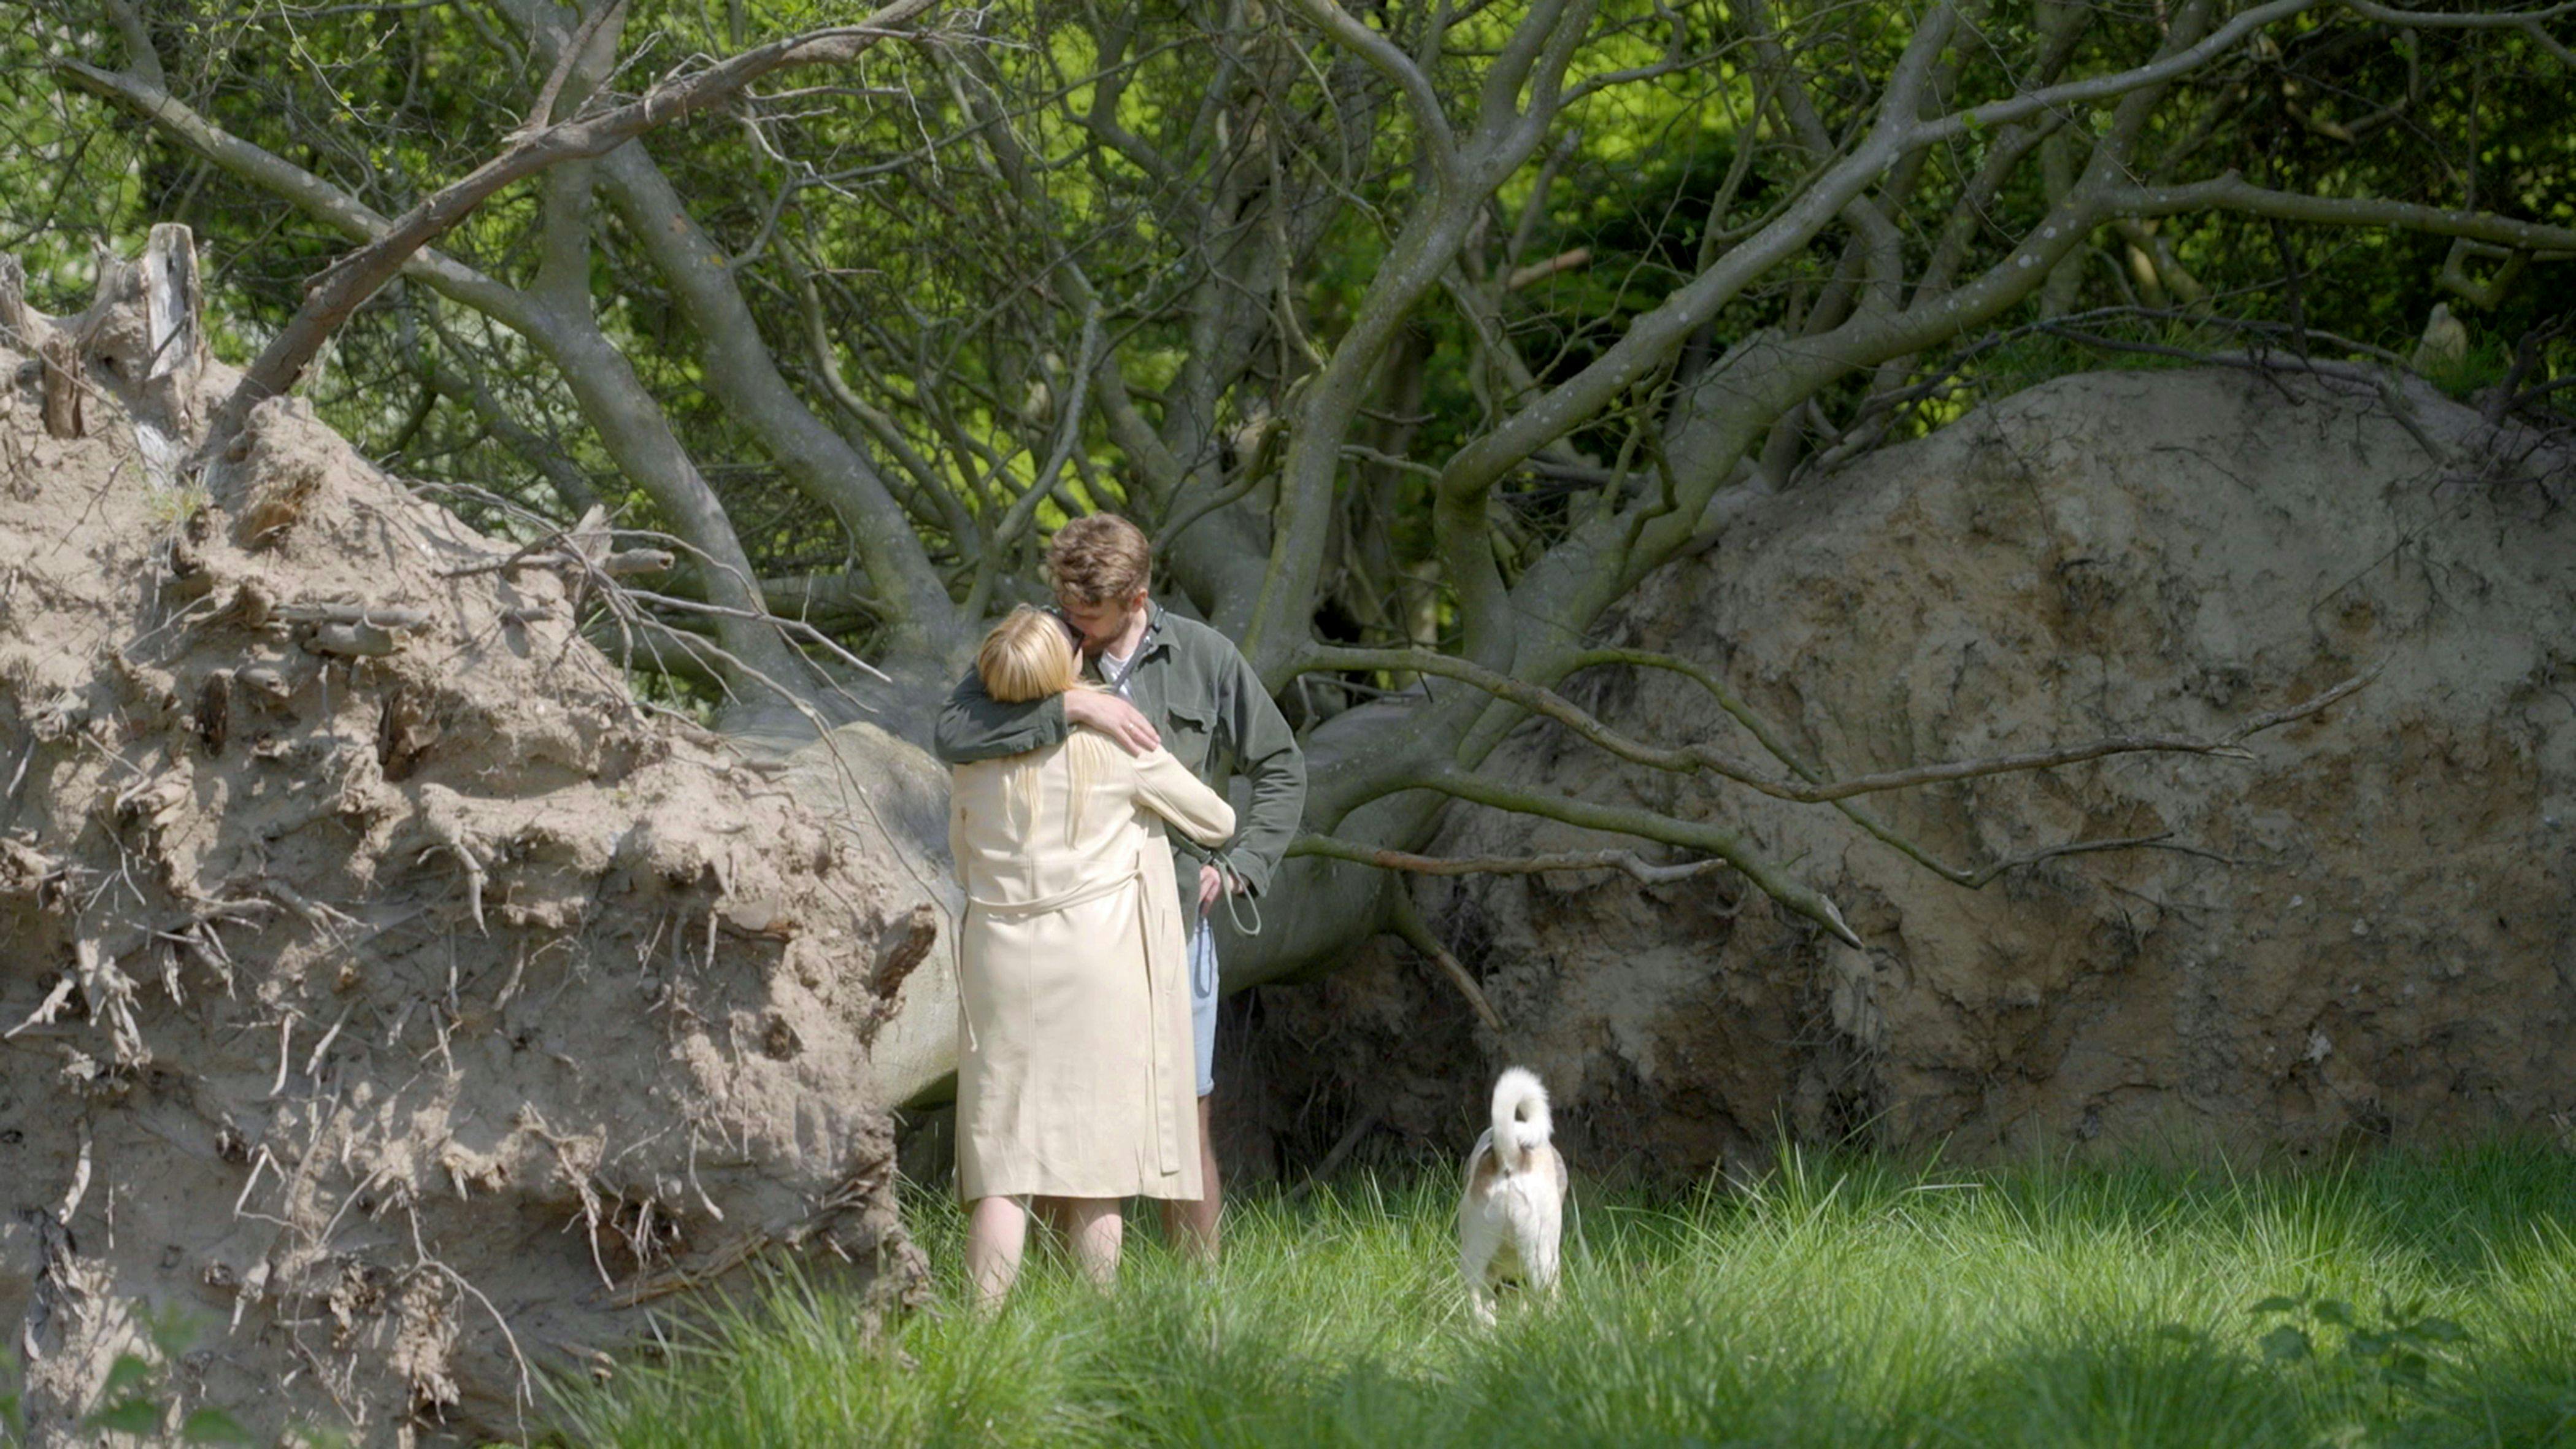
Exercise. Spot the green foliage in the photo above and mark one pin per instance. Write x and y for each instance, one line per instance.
(875, 232)
(213, 1426)
(1842, 1301)
(136, 1397)
(136, 1415)
(2401, 1348)
(128, 1373)
(2482, 366)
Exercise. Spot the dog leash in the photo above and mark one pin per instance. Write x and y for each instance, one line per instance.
(1223, 859)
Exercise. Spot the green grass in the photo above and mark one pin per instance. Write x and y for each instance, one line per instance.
(1843, 1303)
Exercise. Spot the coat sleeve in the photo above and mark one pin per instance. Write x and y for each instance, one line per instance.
(1165, 786)
(975, 726)
(1267, 754)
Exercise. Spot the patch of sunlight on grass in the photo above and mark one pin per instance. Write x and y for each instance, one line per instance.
(1841, 1301)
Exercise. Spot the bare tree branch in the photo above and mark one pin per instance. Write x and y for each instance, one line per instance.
(1645, 872)
(351, 280)
(1430, 117)
(2232, 192)
(1709, 839)
(1408, 923)
(628, 422)
(1693, 759)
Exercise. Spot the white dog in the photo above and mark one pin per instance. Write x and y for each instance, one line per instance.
(1513, 1210)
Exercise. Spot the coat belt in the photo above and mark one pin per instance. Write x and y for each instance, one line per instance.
(1061, 899)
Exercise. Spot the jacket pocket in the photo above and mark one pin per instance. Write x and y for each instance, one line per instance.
(1191, 735)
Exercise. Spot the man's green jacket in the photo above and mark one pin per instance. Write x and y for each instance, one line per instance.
(1196, 689)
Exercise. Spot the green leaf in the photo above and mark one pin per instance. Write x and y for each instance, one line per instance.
(213, 1426)
(174, 1332)
(2367, 1344)
(2441, 1330)
(2334, 1311)
(2274, 1304)
(130, 1372)
(2287, 1344)
(134, 1416)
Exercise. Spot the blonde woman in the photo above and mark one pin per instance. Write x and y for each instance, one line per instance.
(1075, 1077)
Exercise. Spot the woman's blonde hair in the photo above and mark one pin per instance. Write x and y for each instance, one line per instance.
(1030, 655)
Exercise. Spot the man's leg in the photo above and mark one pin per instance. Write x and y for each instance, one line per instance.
(1197, 1231)
(1192, 1226)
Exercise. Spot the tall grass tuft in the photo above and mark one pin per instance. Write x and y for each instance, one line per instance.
(2403, 1299)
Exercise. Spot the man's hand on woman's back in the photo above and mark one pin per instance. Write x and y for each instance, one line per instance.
(1114, 717)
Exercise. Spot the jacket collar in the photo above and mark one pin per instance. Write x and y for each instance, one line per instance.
(1156, 637)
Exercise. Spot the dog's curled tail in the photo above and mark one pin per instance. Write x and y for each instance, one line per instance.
(1521, 1123)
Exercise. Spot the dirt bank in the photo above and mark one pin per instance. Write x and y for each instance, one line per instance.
(385, 994)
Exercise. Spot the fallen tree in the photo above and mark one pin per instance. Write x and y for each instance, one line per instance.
(1295, 286)
(2342, 932)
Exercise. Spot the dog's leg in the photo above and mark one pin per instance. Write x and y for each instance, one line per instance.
(1539, 1256)
(1477, 1242)
(1538, 1240)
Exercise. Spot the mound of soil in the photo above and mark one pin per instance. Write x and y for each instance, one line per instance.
(2360, 932)
(385, 995)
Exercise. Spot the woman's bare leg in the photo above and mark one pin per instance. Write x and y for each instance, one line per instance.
(996, 1230)
(1095, 1227)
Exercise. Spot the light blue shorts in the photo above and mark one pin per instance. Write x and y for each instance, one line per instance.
(1203, 1002)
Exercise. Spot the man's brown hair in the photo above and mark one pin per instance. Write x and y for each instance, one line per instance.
(1097, 558)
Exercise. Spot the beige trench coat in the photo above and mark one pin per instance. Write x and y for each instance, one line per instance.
(1074, 1069)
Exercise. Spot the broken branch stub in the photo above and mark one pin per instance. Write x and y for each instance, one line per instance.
(382, 616)
(349, 641)
(899, 951)
(22, 327)
(350, 631)
(62, 386)
(139, 338)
